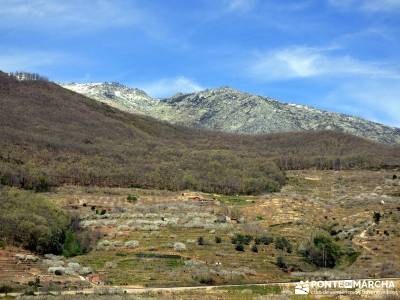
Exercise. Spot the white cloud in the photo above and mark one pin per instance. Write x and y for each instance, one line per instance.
(304, 62)
(368, 5)
(377, 100)
(240, 5)
(28, 61)
(72, 15)
(169, 86)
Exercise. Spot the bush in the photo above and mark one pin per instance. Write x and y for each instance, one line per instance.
(239, 247)
(30, 221)
(266, 240)
(201, 241)
(283, 243)
(254, 249)
(5, 289)
(241, 239)
(218, 240)
(204, 278)
(323, 251)
(377, 217)
(132, 198)
(281, 263)
(72, 246)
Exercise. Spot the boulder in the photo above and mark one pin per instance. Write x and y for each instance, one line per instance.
(54, 263)
(72, 268)
(20, 256)
(85, 271)
(131, 244)
(179, 246)
(53, 257)
(32, 258)
(56, 270)
(74, 265)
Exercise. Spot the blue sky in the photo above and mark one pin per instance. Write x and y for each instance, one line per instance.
(338, 55)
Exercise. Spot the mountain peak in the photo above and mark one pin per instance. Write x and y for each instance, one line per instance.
(223, 90)
(115, 94)
(228, 109)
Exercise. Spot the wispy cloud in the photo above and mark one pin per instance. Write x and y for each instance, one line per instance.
(74, 15)
(369, 5)
(304, 62)
(170, 86)
(375, 100)
(29, 61)
(240, 5)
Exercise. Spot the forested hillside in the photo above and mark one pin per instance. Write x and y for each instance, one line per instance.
(52, 136)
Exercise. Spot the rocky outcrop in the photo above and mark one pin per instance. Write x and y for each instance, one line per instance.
(229, 110)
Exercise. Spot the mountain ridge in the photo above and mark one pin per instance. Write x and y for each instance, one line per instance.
(230, 110)
(54, 136)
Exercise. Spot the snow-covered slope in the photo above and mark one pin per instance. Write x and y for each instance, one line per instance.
(229, 110)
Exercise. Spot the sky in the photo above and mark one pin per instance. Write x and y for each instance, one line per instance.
(337, 55)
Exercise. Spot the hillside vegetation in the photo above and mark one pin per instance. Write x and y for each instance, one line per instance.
(52, 136)
(30, 221)
(229, 110)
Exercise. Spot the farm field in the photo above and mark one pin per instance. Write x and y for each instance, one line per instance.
(153, 238)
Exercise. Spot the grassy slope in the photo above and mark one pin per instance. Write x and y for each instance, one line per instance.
(49, 132)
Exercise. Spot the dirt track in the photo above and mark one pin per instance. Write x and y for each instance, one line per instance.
(135, 290)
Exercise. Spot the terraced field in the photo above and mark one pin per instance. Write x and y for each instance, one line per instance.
(339, 203)
(152, 238)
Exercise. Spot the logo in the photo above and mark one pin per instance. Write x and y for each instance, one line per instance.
(340, 286)
(303, 288)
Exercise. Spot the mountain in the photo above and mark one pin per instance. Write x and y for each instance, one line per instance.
(51, 136)
(116, 95)
(226, 109)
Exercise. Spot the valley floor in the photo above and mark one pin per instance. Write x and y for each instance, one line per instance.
(152, 238)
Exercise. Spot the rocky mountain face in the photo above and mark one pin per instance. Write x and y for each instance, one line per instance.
(116, 95)
(229, 110)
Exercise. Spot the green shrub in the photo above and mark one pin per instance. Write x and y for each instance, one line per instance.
(132, 198)
(242, 239)
(30, 221)
(266, 240)
(377, 216)
(42, 184)
(351, 255)
(254, 248)
(201, 241)
(239, 247)
(323, 251)
(283, 243)
(204, 278)
(5, 289)
(71, 246)
(281, 262)
(218, 240)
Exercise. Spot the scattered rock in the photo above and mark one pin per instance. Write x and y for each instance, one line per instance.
(27, 257)
(110, 265)
(56, 270)
(179, 246)
(53, 257)
(54, 263)
(85, 271)
(131, 244)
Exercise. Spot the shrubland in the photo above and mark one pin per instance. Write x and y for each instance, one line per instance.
(30, 221)
(52, 136)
